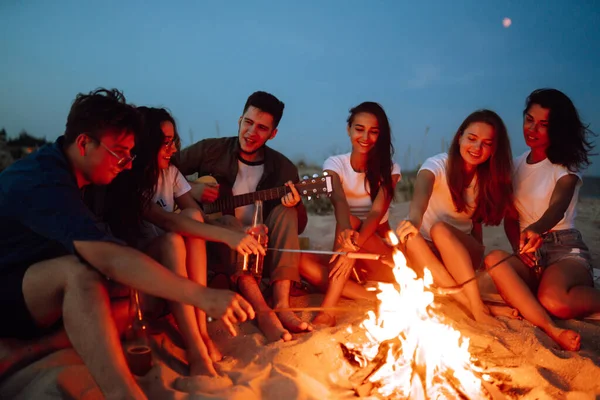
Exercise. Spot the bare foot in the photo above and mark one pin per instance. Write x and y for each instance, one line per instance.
(483, 316)
(504, 311)
(213, 351)
(567, 339)
(201, 365)
(271, 327)
(324, 320)
(292, 323)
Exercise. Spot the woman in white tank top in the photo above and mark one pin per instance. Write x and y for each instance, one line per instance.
(363, 188)
(552, 273)
(455, 194)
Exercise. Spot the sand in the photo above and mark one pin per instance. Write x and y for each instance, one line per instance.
(521, 360)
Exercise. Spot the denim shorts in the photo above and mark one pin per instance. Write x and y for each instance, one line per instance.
(566, 244)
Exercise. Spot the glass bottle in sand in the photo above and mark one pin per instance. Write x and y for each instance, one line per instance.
(253, 263)
(137, 342)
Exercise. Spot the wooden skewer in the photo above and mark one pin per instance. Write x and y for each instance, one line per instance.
(298, 309)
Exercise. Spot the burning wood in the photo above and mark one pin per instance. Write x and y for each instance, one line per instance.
(410, 352)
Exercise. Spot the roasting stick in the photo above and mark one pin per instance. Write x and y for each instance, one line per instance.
(349, 254)
(448, 290)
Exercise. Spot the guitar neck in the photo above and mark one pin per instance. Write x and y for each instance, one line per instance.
(232, 202)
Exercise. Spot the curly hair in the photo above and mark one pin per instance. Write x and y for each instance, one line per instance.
(568, 135)
(99, 112)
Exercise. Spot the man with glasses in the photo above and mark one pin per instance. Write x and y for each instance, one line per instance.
(56, 261)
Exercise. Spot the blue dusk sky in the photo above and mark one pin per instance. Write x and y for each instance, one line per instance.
(429, 63)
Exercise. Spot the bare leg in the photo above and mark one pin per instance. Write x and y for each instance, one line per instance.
(281, 298)
(514, 282)
(196, 266)
(373, 269)
(66, 286)
(314, 269)
(460, 253)
(282, 223)
(268, 322)
(567, 290)
(419, 256)
(25, 352)
(169, 250)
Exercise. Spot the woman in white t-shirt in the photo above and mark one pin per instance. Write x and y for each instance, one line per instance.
(455, 193)
(176, 240)
(553, 261)
(363, 188)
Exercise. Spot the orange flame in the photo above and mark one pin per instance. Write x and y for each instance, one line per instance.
(429, 358)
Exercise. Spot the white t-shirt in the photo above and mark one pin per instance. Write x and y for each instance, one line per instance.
(246, 181)
(441, 207)
(533, 187)
(171, 185)
(354, 185)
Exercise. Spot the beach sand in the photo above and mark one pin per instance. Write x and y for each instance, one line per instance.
(521, 360)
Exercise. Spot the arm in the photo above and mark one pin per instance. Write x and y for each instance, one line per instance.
(421, 196)
(380, 206)
(559, 202)
(135, 269)
(340, 204)
(185, 226)
(138, 271)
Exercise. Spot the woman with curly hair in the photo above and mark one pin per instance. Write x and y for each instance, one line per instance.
(553, 272)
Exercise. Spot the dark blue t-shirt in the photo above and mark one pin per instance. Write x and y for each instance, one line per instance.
(42, 210)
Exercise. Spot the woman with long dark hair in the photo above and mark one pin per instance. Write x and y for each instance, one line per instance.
(455, 193)
(363, 188)
(553, 260)
(140, 208)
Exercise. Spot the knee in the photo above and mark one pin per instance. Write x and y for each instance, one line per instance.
(81, 275)
(172, 241)
(555, 302)
(286, 217)
(494, 257)
(439, 230)
(193, 214)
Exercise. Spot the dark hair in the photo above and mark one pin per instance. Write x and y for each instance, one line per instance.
(379, 160)
(131, 192)
(268, 103)
(494, 176)
(99, 112)
(568, 136)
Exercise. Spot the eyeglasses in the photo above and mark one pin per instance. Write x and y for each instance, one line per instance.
(170, 144)
(122, 161)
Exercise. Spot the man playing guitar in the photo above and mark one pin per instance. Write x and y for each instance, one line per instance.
(244, 164)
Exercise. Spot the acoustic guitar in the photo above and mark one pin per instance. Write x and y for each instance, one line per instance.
(317, 186)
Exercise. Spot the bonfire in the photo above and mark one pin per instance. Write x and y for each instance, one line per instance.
(410, 352)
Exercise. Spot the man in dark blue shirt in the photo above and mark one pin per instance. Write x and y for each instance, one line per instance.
(55, 258)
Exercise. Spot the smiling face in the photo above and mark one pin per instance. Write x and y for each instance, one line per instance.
(168, 148)
(535, 127)
(363, 132)
(255, 129)
(476, 143)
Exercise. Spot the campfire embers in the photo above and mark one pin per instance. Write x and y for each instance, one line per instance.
(410, 352)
